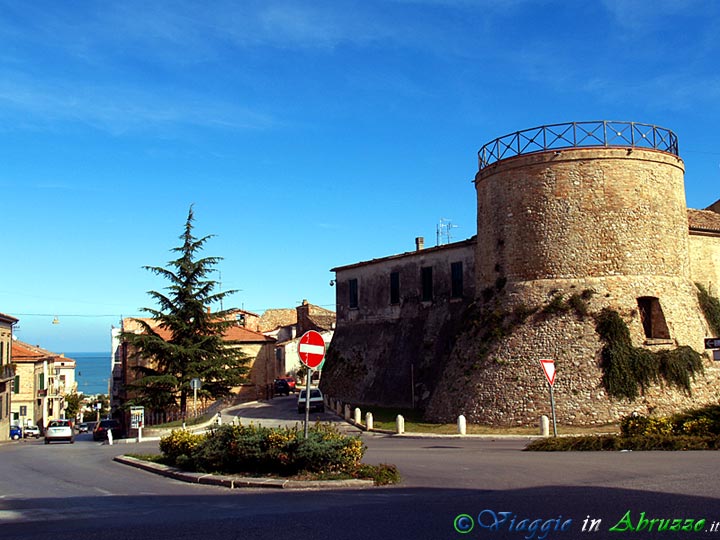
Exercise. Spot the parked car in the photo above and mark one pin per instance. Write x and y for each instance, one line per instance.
(59, 430)
(103, 426)
(291, 383)
(15, 432)
(281, 387)
(316, 400)
(83, 428)
(31, 431)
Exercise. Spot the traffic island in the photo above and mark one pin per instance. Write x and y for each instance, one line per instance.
(237, 482)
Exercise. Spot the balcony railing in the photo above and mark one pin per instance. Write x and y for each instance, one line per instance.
(600, 133)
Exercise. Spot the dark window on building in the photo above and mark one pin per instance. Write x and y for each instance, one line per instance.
(16, 384)
(653, 319)
(353, 293)
(456, 277)
(427, 284)
(394, 287)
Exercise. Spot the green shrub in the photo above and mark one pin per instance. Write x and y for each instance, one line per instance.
(612, 442)
(628, 370)
(284, 451)
(710, 306)
(638, 426)
(179, 443)
(382, 475)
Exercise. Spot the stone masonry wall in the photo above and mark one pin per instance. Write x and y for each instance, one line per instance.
(506, 385)
(705, 261)
(581, 212)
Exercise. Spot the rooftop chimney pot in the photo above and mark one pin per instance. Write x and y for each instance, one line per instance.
(419, 243)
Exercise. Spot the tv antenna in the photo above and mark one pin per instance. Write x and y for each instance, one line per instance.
(443, 232)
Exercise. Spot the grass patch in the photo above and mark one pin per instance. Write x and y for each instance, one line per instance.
(384, 418)
(188, 422)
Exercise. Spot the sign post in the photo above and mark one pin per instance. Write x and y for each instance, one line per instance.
(195, 384)
(311, 350)
(549, 369)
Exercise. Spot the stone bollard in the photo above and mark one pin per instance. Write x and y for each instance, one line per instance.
(462, 425)
(347, 412)
(338, 407)
(400, 424)
(544, 426)
(109, 437)
(358, 416)
(369, 421)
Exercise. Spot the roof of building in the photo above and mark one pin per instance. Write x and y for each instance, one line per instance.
(277, 317)
(704, 220)
(24, 352)
(321, 317)
(233, 333)
(8, 318)
(469, 242)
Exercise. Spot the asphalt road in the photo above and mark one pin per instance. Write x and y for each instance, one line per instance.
(64, 491)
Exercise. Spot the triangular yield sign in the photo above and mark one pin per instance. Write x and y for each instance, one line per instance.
(549, 369)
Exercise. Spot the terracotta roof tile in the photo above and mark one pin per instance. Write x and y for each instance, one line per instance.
(24, 352)
(703, 220)
(234, 333)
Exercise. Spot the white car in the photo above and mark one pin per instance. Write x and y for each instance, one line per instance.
(31, 431)
(59, 430)
(316, 400)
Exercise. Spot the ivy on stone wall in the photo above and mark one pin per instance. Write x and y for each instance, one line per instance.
(711, 308)
(628, 370)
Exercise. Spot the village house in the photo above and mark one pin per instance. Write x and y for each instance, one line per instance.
(42, 381)
(7, 373)
(257, 347)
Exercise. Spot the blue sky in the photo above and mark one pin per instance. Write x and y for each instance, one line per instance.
(307, 135)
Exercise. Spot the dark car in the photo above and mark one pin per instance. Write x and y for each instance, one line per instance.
(282, 387)
(103, 426)
(83, 428)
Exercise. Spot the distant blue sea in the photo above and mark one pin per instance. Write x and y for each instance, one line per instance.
(92, 371)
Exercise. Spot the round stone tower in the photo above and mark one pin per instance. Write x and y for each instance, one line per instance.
(569, 210)
(590, 206)
(586, 210)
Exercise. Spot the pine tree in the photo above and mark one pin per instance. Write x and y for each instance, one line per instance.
(191, 344)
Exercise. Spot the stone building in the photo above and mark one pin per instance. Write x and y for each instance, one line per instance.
(591, 212)
(396, 316)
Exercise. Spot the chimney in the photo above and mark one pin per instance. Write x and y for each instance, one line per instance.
(419, 243)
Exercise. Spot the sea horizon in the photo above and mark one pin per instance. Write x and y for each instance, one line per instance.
(92, 371)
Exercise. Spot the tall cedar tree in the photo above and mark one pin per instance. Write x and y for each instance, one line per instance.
(196, 347)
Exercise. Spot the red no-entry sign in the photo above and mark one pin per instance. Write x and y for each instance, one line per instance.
(311, 349)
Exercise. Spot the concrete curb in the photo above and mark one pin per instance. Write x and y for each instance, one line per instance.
(236, 482)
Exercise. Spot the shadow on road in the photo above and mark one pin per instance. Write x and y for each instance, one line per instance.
(398, 513)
